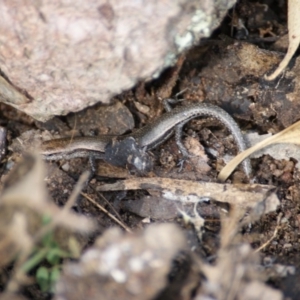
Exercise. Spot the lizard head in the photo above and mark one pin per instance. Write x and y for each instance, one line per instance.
(127, 153)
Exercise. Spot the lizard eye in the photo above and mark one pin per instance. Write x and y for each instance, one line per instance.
(140, 162)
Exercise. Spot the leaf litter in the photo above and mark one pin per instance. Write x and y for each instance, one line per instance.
(113, 265)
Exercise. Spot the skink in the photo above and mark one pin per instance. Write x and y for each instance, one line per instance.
(144, 138)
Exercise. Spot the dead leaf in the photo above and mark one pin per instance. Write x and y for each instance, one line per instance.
(288, 135)
(294, 36)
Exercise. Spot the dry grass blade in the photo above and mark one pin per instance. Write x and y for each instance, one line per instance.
(294, 36)
(106, 212)
(288, 135)
(278, 226)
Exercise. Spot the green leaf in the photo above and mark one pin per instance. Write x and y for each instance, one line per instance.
(46, 219)
(47, 239)
(54, 275)
(43, 279)
(55, 254)
(37, 257)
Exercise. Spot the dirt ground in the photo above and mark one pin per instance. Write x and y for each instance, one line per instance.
(220, 248)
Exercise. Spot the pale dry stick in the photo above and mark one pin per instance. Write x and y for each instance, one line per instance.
(18, 278)
(106, 212)
(294, 36)
(230, 225)
(13, 284)
(229, 230)
(236, 280)
(278, 226)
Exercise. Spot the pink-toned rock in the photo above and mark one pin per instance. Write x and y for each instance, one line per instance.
(60, 56)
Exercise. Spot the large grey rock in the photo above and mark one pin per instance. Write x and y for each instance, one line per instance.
(60, 56)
